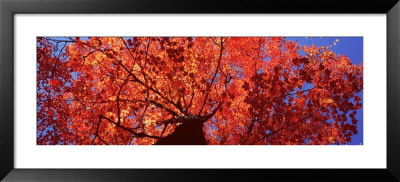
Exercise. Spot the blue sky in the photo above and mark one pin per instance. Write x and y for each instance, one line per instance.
(352, 47)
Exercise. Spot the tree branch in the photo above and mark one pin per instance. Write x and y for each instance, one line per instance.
(118, 104)
(191, 100)
(138, 135)
(280, 129)
(207, 117)
(212, 81)
(152, 89)
(97, 131)
(285, 95)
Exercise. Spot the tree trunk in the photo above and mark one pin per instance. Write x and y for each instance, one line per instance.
(190, 132)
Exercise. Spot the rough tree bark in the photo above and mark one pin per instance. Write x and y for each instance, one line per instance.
(189, 132)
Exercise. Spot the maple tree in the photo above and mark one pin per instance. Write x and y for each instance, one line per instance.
(194, 90)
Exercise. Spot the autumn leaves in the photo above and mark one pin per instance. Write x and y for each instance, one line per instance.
(243, 90)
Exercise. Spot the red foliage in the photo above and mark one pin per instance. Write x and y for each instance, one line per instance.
(243, 90)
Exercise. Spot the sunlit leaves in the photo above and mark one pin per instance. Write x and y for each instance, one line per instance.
(251, 90)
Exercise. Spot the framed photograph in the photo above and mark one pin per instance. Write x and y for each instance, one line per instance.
(148, 91)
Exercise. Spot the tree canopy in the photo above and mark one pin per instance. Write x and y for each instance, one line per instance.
(238, 91)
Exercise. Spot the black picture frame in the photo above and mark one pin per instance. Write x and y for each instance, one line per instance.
(9, 8)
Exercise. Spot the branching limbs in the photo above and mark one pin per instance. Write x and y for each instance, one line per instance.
(96, 135)
(130, 130)
(145, 83)
(278, 130)
(215, 75)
